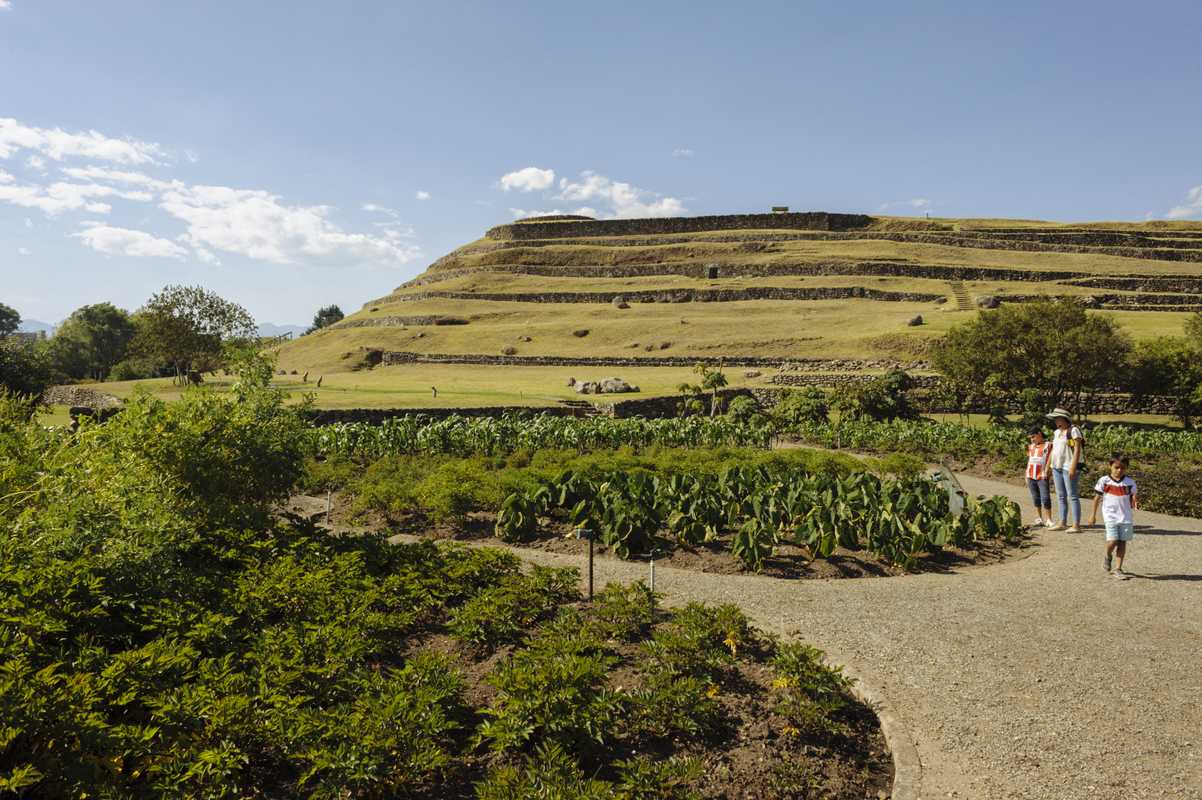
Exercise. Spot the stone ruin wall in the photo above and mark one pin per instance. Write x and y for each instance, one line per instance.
(814, 220)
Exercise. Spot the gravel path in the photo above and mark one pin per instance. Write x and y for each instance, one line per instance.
(1039, 677)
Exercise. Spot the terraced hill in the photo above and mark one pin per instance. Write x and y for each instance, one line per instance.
(754, 289)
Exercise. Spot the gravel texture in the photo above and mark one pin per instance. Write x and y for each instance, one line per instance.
(1040, 677)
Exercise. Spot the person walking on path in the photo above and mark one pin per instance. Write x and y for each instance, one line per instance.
(1067, 444)
(1039, 451)
(1118, 496)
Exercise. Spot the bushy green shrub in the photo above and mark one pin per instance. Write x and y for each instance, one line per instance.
(503, 612)
(798, 406)
(809, 692)
(553, 691)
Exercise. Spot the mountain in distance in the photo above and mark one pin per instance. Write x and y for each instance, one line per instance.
(269, 329)
(35, 326)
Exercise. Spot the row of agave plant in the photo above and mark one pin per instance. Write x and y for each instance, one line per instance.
(467, 436)
(898, 519)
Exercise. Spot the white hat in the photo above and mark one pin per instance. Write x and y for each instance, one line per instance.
(1060, 412)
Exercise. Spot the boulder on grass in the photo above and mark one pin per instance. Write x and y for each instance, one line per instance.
(580, 333)
(620, 302)
(915, 321)
(988, 301)
(752, 373)
(571, 382)
(509, 351)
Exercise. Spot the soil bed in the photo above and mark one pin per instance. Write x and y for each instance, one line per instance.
(790, 561)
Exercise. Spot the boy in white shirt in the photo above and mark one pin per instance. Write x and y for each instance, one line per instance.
(1118, 496)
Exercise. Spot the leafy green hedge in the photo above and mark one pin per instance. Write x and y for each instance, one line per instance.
(466, 436)
(937, 439)
(163, 634)
(900, 519)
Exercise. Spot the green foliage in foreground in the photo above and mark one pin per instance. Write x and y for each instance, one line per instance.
(446, 488)
(162, 634)
(466, 436)
(934, 440)
(899, 519)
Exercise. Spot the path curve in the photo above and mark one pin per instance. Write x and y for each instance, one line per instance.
(1034, 678)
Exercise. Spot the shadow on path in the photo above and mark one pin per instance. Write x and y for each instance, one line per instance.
(1166, 577)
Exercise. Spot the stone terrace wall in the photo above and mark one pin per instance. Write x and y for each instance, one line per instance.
(825, 364)
(814, 220)
(682, 295)
(703, 270)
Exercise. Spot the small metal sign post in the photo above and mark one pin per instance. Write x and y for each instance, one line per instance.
(585, 533)
(652, 554)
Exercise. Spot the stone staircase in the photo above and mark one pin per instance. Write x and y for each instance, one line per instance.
(582, 408)
(960, 295)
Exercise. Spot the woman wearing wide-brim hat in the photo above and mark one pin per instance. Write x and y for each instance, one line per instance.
(1065, 462)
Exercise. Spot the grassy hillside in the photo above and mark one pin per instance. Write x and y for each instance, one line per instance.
(763, 293)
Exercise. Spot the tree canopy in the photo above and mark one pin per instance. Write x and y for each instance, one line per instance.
(1172, 367)
(92, 340)
(1052, 349)
(327, 315)
(185, 327)
(9, 319)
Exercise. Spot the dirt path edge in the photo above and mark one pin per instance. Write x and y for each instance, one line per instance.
(907, 766)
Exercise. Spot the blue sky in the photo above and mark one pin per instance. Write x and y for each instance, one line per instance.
(292, 154)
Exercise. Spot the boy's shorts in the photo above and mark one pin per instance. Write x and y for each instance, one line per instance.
(1120, 531)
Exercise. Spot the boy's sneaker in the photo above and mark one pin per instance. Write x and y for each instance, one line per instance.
(1050, 525)
(1074, 529)
(1109, 561)
(1122, 576)
(1059, 526)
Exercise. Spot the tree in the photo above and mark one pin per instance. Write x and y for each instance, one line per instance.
(1052, 347)
(1172, 367)
(326, 316)
(92, 340)
(24, 366)
(185, 327)
(801, 406)
(882, 398)
(711, 380)
(10, 320)
(1193, 329)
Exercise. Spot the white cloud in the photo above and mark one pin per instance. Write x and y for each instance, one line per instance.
(256, 224)
(1192, 207)
(528, 179)
(5, 5)
(625, 200)
(916, 203)
(118, 176)
(206, 256)
(61, 196)
(57, 144)
(683, 152)
(36, 162)
(25, 251)
(421, 195)
(125, 242)
(378, 209)
(28, 222)
(192, 156)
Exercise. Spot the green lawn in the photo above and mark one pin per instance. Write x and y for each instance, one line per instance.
(409, 385)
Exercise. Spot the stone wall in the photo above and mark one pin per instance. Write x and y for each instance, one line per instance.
(702, 270)
(823, 364)
(394, 321)
(700, 295)
(815, 220)
(79, 396)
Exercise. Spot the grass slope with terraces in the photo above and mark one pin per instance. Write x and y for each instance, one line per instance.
(780, 292)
